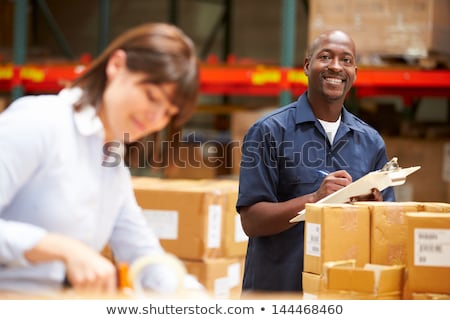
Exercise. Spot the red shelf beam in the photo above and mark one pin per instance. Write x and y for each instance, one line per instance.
(250, 80)
(409, 84)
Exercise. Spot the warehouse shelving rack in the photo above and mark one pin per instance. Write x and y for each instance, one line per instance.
(251, 80)
(285, 80)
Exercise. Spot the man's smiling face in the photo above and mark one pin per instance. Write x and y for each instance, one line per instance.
(331, 66)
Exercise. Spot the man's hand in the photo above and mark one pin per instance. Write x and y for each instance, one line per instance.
(374, 195)
(332, 183)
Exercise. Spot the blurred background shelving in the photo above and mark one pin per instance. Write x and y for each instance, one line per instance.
(252, 62)
(252, 54)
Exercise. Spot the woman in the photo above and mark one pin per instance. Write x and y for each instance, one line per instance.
(64, 190)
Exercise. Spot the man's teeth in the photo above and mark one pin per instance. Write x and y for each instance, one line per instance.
(334, 80)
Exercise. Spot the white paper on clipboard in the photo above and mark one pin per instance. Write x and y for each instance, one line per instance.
(376, 179)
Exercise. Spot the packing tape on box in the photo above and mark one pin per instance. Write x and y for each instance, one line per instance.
(169, 260)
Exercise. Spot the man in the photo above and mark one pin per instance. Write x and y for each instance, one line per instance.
(299, 154)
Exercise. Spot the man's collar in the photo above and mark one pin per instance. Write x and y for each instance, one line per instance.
(304, 114)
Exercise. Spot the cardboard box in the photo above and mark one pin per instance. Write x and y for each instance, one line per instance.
(4, 101)
(192, 163)
(194, 219)
(427, 184)
(369, 282)
(436, 207)
(336, 232)
(221, 277)
(428, 252)
(388, 231)
(234, 238)
(400, 27)
(430, 296)
(315, 286)
(240, 122)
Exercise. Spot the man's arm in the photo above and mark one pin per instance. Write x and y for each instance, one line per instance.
(268, 218)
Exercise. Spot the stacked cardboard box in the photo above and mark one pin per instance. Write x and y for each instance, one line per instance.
(222, 276)
(430, 296)
(393, 240)
(333, 232)
(407, 250)
(400, 27)
(3, 103)
(369, 282)
(428, 263)
(388, 232)
(198, 161)
(432, 182)
(196, 220)
(240, 122)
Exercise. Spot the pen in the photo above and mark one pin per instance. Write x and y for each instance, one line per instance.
(323, 172)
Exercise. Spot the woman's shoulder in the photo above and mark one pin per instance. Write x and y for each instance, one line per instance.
(43, 111)
(37, 104)
(37, 119)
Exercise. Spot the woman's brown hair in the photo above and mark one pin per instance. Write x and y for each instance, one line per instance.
(166, 55)
(160, 50)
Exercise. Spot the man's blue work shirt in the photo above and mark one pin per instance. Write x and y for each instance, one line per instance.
(286, 154)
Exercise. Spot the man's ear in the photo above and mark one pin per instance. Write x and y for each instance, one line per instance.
(306, 66)
(116, 61)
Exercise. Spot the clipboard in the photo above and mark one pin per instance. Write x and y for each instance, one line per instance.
(389, 176)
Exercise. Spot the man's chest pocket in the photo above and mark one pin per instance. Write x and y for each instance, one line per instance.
(298, 181)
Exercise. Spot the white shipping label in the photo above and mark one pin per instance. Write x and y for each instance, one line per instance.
(164, 223)
(309, 296)
(432, 247)
(221, 288)
(312, 239)
(239, 234)
(234, 274)
(214, 226)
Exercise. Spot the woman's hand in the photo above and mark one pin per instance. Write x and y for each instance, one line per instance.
(86, 269)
